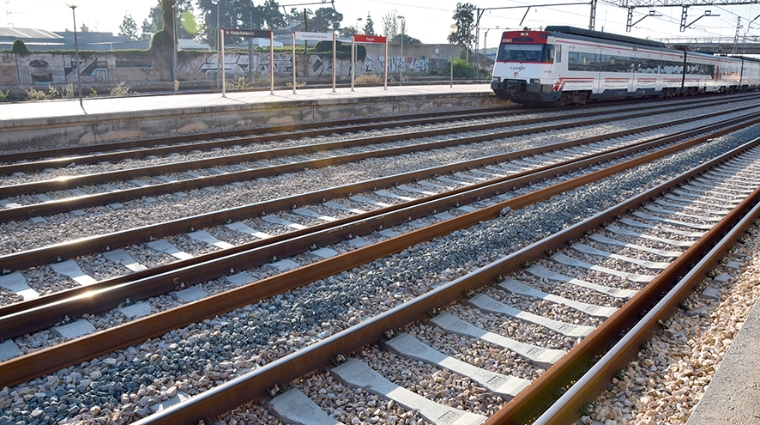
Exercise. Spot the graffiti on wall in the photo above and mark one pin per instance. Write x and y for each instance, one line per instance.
(319, 66)
(375, 63)
(438, 66)
(238, 64)
(53, 69)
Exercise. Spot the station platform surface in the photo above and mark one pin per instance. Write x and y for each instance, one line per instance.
(56, 123)
(108, 105)
(733, 396)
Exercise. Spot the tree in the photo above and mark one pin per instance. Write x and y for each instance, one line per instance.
(390, 24)
(465, 22)
(152, 24)
(19, 48)
(84, 28)
(347, 31)
(238, 14)
(271, 15)
(369, 26)
(128, 27)
(408, 40)
(326, 19)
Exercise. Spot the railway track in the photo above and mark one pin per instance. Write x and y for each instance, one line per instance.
(108, 341)
(272, 247)
(354, 373)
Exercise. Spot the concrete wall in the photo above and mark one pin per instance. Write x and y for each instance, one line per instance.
(56, 131)
(41, 70)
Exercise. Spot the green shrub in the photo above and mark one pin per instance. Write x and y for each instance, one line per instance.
(239, 84)
(342, 50)
(68, 91)
(120, 90)
(33, 95)
(462, 69)
(4, 96)
(53, 92)
(19, 48)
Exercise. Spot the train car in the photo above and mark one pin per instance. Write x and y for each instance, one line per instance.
(750, 74)
(565, 65)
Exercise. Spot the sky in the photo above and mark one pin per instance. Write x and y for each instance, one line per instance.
(427, 20)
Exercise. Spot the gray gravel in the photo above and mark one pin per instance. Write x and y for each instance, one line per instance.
(121, 385)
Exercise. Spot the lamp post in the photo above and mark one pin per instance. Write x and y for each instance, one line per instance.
(218, 59)
(356, 49)
(403, 62)
(485, 43)
(250, 42)
(452, 30)
(175, 41)
(76, 50)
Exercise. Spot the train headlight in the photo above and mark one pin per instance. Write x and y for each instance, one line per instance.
(497, 79)
(535, 81)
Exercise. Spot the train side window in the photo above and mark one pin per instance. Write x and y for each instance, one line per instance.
(575, 62)
(549, 54)
(558, 54)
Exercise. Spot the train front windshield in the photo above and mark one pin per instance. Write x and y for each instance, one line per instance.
(512, 52)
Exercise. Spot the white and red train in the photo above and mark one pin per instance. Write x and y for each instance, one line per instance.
(565, 65)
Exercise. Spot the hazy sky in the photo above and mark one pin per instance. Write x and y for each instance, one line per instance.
(427, 20)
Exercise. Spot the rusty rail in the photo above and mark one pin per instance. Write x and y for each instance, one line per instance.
(301, 129)
(162, 169)
(245, 388)
(29, 316)
(705, 253)
(45, 361)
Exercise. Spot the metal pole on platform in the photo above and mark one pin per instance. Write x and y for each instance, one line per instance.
(218, 60)
(333, 63)
(294, 63)
(271, 62)
(353, 62)
(385, 70)
(175, 41)
(403, 62)
(76, 50)
(452, 30)
(250, 41)
(224, 81)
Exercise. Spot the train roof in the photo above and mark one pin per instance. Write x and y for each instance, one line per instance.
(603, 35)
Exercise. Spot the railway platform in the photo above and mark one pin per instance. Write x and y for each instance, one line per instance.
(733, 394)
(63, 122)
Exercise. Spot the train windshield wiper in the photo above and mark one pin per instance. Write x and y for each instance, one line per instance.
(523, 53)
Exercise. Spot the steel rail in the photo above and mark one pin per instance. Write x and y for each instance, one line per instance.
(57, 252)
(246, 388)
(307, 129)
(68, 204)
(677, 280)
(596, 380)
(26, 167)
(162, 169)
(36, 364)
(31, 316)
(360, 123)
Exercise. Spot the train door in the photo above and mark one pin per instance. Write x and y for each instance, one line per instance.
(598, 69)
(632, 74)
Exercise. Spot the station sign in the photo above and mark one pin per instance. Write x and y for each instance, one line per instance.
(313, 35)
(368, 38)
(238, 32)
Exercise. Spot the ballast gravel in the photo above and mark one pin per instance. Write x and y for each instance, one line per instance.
(120, 386)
